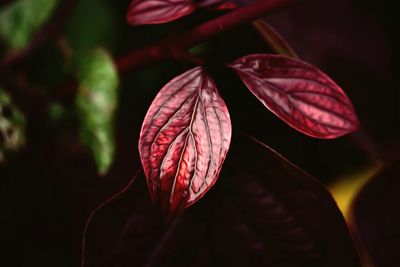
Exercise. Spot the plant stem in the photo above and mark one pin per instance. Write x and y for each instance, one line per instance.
(176, 44)
(98, 208)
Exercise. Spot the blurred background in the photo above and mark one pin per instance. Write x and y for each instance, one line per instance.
(69, 122)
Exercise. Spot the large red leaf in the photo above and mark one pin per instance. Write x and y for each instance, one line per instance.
(184, 140)
(298, 93)
(158, 11)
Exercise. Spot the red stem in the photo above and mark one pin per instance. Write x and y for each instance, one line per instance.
(175, 44)
(99, 207)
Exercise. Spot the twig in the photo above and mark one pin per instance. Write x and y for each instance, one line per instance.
(178, 43)
(99, 207)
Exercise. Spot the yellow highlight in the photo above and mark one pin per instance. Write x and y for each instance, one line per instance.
(346, 188)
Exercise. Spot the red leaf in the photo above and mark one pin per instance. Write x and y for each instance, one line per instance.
(158, 11)
(298, 93)
(184, 140)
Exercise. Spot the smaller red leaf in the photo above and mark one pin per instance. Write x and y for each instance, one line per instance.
(184, 140)
(298, 93)
(158, 11)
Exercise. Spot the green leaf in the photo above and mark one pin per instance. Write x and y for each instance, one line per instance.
(96, 103)
(20, 20)
(12, 126)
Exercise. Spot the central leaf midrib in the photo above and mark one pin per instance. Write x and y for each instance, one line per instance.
(189, 134)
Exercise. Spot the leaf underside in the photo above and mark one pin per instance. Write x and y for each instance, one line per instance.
(267, 212)
(184, 140)
(298, 93)
(143, 12)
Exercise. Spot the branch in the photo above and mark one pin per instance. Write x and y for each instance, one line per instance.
(175, 44)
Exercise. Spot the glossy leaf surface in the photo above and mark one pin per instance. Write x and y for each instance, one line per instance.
(158, 11)
(96, 102)
(184, 140)
(266, 212)
(20, 20)
(298, 93)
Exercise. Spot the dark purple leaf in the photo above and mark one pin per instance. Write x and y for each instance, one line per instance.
(298, 93)
(184, 140)
(158, 11)
(266, 212)
(376, 216)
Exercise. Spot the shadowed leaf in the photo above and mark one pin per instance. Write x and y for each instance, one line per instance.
(96, 102)
(376, 216)
(158, 11)
(299, 94)
(20, 20)
(184, 140)
(265, 212)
